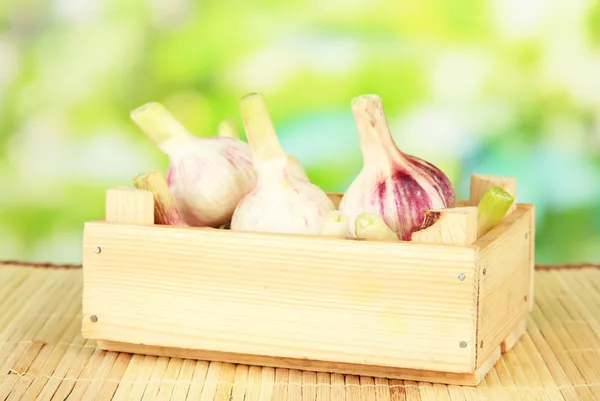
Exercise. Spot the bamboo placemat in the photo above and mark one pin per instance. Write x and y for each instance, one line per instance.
(43, 356)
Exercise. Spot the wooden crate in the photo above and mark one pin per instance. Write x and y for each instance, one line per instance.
(414, 311)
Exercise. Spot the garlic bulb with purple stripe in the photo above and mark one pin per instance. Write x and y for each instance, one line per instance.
(397, 186)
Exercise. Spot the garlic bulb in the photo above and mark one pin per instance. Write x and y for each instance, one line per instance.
(335, 225)
(207, 176)
(280, 202)
(227, 129)
(165, 211)
(396, 186)
(370, 226)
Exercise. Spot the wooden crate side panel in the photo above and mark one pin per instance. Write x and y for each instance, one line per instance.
(531, 256)
(328, 299)
(504, 288)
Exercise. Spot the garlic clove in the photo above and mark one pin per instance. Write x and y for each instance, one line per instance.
(280, 202)
(492, 208)
(335, 225)
(370, 226)
(396, 186)
(165, 210)
(207, 176)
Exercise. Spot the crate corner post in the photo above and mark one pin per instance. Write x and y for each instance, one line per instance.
(124, 205)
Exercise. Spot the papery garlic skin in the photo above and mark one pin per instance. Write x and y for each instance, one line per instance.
(207, 185)
(397, 186)
(283, 205)
(295, 168)
(280, 202)
(207, 176)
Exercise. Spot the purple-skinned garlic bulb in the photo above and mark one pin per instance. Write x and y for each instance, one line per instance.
(396, 186)
(207, 176)
(280, 202)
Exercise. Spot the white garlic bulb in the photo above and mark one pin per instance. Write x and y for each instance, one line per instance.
(207, 176)
(280, 202)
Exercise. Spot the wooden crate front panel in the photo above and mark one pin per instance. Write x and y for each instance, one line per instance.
(385, 304)
(504, 289)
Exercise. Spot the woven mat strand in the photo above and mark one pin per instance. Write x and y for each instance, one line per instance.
(43, 356)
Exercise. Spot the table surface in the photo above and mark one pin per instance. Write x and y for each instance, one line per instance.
(44, 357)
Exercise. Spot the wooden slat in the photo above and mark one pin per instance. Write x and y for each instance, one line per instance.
(504, 280)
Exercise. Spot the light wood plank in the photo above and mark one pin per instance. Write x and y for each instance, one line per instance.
(504, 280)
(129, 205)
(456, 226)
(403, 302)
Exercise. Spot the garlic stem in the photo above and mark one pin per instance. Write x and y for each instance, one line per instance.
(492, 208)
(370, 226)
(260, 130)
(335, 225)
(158, 123)
(376, 140)
(165, 210)
(227, 129)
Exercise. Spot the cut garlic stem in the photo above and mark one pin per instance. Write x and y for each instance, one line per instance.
(492, 208)
(165, 210)
(158, 123)
(335, 225)
(260, 130)
(370, 226)
(375, 136)
(227, 129)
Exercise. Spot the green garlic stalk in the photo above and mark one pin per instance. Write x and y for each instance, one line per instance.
(492, 208)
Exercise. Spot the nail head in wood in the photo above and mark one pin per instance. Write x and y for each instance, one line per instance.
(484, 271)
(97, 249)
(94, 318)
(461, 277)
(463, 344)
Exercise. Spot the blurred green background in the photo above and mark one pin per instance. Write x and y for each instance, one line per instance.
(509, 87)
